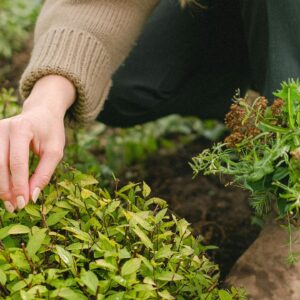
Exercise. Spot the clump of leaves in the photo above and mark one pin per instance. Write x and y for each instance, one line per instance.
(262, 153)
(82, 242)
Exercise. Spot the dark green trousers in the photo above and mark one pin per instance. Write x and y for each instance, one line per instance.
(192, 61)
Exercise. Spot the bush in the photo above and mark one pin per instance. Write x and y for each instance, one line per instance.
(262, 154)
(82, 242)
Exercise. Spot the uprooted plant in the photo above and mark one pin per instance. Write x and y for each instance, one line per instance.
(262, 154)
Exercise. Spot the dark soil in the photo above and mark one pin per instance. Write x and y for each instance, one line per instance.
(221, 214)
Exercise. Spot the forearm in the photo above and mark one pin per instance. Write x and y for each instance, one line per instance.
(54, 93)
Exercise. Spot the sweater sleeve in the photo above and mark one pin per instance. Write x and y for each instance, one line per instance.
(84, 41)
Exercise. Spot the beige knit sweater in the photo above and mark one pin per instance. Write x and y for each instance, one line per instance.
(84, 41)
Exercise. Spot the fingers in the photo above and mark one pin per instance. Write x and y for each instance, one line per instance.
(19, 143)
(45, 169)
(5, 184)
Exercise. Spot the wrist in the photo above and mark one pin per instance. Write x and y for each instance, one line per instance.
(53, 93)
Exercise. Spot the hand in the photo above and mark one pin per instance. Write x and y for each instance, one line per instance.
(40, 128)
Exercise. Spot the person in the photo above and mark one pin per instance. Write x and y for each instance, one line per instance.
(187, 61)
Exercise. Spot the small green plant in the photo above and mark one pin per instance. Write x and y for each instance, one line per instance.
(262, 153)
(16, 18)
(9, 105)
(83, 242)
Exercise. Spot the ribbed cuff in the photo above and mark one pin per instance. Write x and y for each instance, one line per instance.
(79, 57)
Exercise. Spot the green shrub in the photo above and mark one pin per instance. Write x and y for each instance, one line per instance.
(82, 242)
(262, 154)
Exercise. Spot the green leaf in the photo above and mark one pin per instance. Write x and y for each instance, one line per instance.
(123, 253)
(35, 242)
(164, 252)
(165, 295)
(81, 235)
(18, 229)
(131, 266)
(149, 280)
(146, 190)
(19, 286)
(40, 289)
(56, 217)
(112, 207)
(135, 219)
(143, 237)
(119, 279)
(160, 215)
(86, 180)
(146, 262)
(182, 226)
(126, 188)
(20, 260)
(224, 295)
(155, 200)
(90, 280)
(2, 277)
(169, 276)
(67, 258)
(102, 264)
(85, 194)
(33, 211)
(68, 294)
(116, 296)
(267, 127)
(4, 232)
(280, 173)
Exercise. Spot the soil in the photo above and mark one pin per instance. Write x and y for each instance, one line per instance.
(221, 214)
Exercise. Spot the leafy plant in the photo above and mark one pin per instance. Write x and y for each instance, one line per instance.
(16, 18)
(262, 153)
(82, 242)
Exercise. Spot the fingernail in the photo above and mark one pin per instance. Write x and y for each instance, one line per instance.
(35, 194)
(9, 207)
(20, 202)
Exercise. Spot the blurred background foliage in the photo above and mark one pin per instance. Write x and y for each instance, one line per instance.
(16, 20)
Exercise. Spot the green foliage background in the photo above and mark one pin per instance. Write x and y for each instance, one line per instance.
(16, 18)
